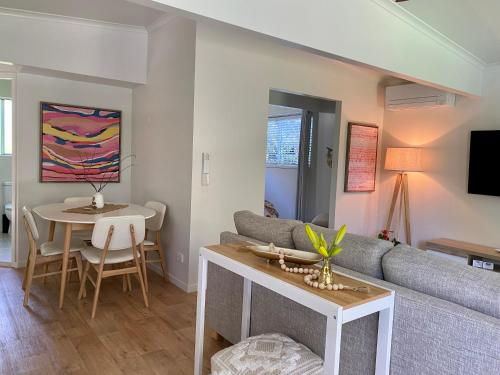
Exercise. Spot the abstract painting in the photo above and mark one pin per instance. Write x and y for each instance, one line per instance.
(79, 144)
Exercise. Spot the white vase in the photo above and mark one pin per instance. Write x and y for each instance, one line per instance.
(98, 200)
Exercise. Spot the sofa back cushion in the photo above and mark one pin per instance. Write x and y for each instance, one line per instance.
(265, 229)
(465, 285)
(361, 254)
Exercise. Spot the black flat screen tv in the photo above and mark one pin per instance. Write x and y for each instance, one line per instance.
(484, 162)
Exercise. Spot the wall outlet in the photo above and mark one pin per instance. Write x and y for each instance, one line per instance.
(180, 257)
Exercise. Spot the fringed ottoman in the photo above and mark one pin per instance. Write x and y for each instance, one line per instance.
(268, 354)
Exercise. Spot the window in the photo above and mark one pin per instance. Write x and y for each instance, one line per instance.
(283, 140)
(5, 126)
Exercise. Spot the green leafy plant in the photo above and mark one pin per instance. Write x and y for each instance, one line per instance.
(320, 244)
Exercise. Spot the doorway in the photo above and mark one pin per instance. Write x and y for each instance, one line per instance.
(6, 171)
(301, 157)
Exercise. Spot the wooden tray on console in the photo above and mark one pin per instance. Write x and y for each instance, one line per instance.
(291, 255)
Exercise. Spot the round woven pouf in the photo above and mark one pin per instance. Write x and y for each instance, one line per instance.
(268, 354)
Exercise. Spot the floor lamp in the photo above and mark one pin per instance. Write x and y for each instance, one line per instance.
(403, 160)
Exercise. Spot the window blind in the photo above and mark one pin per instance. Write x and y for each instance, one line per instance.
(283, 140)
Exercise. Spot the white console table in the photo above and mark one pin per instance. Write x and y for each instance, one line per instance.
(339, 307)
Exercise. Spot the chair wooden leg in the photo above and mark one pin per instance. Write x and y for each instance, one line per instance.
(124, 283)
(45, 270)
(97, 290)
(141, 281)
(162, 261)
(79, 266)
(25, 277)
(29, 280)
(129, 283)
(83, 281)
(144, 268)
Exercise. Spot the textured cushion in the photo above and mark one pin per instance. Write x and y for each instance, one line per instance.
(54, 247)
(465, 285)
(278, 231)
(361, 254)
(93, 255)
(267, 354)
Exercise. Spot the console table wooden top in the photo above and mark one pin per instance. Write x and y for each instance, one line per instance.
(345, 298)
(463, 249)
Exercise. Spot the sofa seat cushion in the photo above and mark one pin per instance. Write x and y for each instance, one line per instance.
(467, 286)
(361, 254)
(265, 229)
(267, 354)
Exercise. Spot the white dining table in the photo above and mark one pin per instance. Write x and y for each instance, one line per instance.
(54, 213)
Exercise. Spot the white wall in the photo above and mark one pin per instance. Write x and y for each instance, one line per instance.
(281, 190)
(31, 89)
(234, 72)
(74, 46)
(378, 33)
(440, 205)
(163, 135)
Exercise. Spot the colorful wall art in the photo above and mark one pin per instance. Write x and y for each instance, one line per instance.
(79, 144)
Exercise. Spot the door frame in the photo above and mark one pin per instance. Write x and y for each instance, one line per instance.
(10, 73)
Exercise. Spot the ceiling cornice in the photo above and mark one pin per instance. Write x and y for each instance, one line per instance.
(74, 20)
(423, 27)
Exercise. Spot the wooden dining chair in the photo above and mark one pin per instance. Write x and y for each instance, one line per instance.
(116, 242)
(153, 226)
(48, 252)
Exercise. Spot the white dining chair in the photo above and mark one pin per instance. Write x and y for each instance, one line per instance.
(116, 242)
(48, 252)
(154, 225)
(82, 234)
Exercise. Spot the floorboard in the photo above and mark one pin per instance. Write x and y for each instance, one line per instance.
(124, 338)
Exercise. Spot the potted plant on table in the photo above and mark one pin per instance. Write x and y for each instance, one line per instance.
(326, 250)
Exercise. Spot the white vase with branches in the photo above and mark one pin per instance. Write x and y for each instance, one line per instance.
(86, 162)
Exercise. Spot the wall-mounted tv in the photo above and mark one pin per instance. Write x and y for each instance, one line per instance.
(484, 162)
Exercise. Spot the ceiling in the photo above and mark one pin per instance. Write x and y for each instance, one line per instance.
(472, 24)
(116, 11)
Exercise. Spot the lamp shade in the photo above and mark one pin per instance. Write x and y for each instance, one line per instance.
(404, 159)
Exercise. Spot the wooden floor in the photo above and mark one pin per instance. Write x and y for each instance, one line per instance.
(124, 338)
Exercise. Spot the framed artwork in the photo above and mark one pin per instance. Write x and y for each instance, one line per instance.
(79, 144)
(361, 161)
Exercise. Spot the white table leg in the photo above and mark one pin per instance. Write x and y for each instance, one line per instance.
(246, 308)
(384, 339)
(332, 343)
(200, 316)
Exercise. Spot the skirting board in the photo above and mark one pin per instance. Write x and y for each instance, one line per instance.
(174, 280)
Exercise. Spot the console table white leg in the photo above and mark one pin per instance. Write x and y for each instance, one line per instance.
(384, 339)
(333, 332)
(246, 308)
(200, 316)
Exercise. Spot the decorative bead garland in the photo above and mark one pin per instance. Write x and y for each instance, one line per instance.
(311, 274)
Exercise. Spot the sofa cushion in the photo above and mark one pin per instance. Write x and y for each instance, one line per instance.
(465, 285)
(361, 254)
(265, 229)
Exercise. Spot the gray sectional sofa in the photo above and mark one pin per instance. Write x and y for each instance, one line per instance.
(446, 318)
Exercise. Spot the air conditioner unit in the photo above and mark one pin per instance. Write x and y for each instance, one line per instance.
(412, 96)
